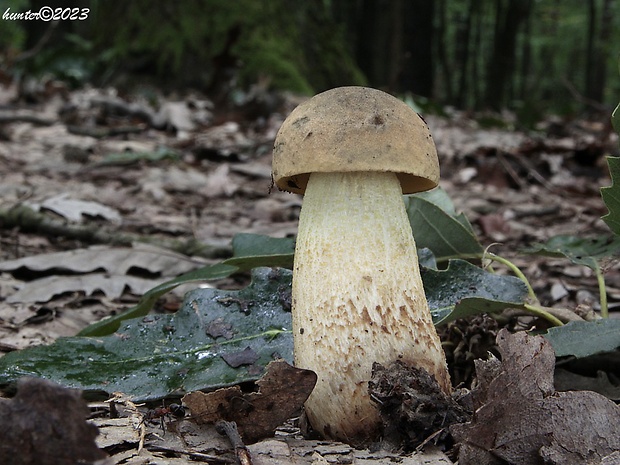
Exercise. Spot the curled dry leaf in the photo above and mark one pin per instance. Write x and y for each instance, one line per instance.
(281, 392)
(521, 419)
(46, 424)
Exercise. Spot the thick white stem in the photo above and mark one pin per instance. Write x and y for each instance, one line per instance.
(357, 298)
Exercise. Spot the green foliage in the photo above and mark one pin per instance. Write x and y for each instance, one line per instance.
(611, 194)
(579, 250)
(210, 40)
(463, 289)
(438, 227)
(585, 338)
(204, 42)
(13, 35)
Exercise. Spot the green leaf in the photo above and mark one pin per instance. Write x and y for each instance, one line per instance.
(579, 250)
(155, 356)
(253, 250)
(438, 227)
(463, 289)
(611, 194)
(111, 324)
(250, 251)
(585, 338)
(249, 245)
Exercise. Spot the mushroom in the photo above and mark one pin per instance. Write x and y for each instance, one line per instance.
(357, 292)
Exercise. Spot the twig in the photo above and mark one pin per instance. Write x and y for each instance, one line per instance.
(600, 279)
(155, 120)
(510, 170)
(229, 428)
(100, 132)
(582, 99)
(24, 116)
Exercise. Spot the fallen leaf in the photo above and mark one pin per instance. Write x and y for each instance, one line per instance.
(46, 424)
(523, 420)
(75, 209)
(114, 260)
(246, 356)
(281, 392)
(495, 226)
(178, 116)
(113, 286)
(568, 381)
(219, 183)
(583, 338)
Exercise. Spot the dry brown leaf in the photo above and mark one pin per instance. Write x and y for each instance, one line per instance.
(114, 260)
(219, 183)
(281, 392)
(113, 286)
(75, 209)
(522, 420)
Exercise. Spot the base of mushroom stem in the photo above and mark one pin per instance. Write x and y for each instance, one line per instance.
(412, 405)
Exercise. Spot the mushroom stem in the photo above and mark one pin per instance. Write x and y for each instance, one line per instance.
(357, 298)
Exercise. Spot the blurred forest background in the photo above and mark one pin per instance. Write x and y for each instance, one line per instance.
(533, 57)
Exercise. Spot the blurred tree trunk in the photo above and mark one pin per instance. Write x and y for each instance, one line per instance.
(442, 51)
(476, 83)
(370, 47)
(599, 33)
(394, 40)
(418, 70)
(394, 65)
(510, 15)
(522, 91)
(464, 52)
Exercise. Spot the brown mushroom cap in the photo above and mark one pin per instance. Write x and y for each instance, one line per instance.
(351, 129)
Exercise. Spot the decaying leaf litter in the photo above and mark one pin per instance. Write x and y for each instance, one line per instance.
(204, 175)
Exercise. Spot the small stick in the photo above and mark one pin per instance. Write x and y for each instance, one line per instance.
(229, 428)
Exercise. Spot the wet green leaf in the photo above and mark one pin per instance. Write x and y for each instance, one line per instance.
(463, 289)
(111, 324)
(250, 245)
(438, 227)
(585, 338)
(218, 338)
(579, 250)
(250, 251)
(611, 194)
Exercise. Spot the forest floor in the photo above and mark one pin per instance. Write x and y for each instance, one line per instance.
(97, 170)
